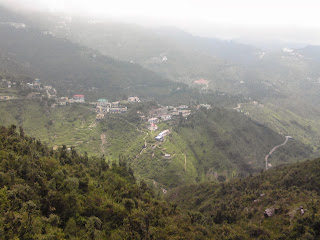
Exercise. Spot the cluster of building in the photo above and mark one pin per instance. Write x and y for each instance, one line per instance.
(169, 112)
(63, 101)
(165, 114)
(103, 107)
(36, 84)
(6, 84)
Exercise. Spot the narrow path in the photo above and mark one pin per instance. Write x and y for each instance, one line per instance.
(103, 141)
(185, 159)
(275, 148)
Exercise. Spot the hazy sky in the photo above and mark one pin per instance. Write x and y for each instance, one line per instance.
(279, 19)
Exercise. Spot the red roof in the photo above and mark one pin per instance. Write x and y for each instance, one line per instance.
(201, 81)
(78, 95)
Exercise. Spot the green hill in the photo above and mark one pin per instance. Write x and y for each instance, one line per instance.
(47, 194)
(73, 126)
(214, 144)
(237, 210)
(281, 120)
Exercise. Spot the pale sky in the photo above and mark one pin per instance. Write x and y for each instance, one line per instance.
(287, 20)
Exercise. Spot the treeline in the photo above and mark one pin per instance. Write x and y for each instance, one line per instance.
(46, 194)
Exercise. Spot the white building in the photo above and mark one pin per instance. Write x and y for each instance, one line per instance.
(133, 99)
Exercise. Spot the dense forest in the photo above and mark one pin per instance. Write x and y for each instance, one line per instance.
(282, 203)
(46, 194)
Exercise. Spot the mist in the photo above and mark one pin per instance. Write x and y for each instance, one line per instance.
(292, 22)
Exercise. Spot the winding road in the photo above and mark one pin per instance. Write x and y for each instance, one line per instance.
(275, 148)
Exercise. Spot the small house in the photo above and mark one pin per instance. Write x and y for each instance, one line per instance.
(201, 81)
(133, 99)
(160, 136)
(207, 106)
(115, 104)
(78, 98)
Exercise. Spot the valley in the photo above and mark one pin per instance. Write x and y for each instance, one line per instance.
(114, 130)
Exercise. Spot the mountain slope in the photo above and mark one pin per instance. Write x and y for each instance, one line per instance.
(62, 195)
(74, 69)
(282, 203)
(214, 144)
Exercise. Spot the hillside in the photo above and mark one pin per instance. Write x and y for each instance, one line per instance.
(214, 144)
(73, 126)
(286, 78)
(63, 195)
(71, 68)
(284, 121)
(47, 194)
(210, 145)
(267, 75)
(160, 50)
(282, 203)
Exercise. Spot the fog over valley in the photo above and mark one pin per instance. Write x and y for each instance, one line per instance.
(159, 119)
(288, 21)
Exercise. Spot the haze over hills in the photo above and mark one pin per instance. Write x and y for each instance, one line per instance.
(62, 63)
(142, 132)
(45, 51)
(286, 78)
(261, 74)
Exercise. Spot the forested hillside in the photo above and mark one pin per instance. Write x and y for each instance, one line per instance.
(282, 203)
(215, 144)
(63, 195)
(47, 194)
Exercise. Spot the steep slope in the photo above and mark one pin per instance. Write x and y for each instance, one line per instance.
(282, 203)
(73, 126)
(210, 145)
(62, 195)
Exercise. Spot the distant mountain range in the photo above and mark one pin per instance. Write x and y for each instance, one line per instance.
(72, 68)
